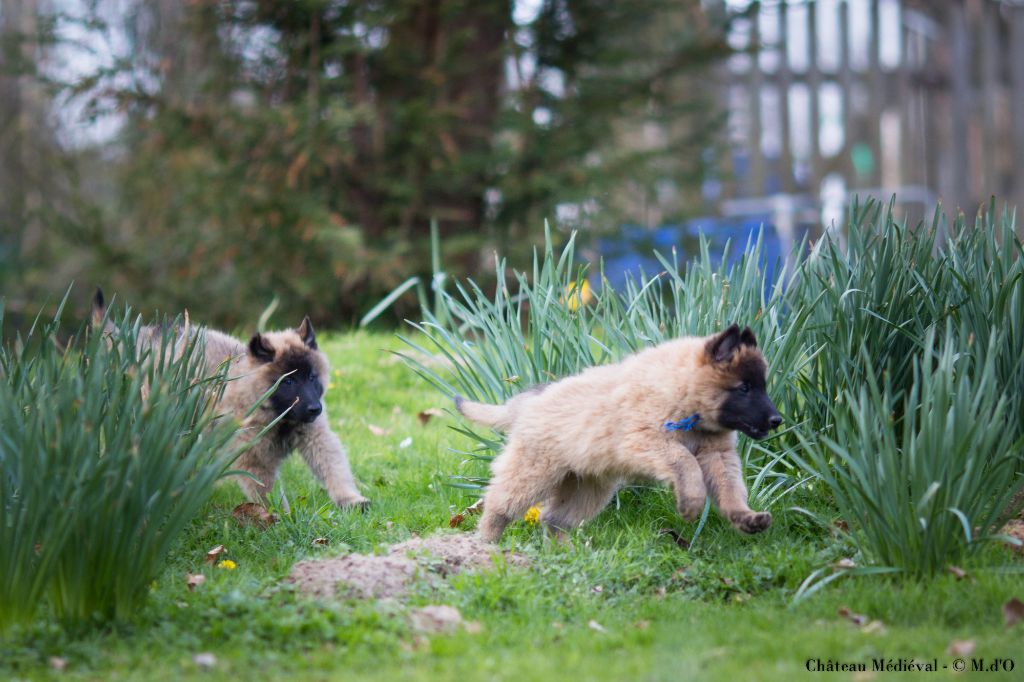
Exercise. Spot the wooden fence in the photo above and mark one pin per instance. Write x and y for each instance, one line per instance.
(833, 98)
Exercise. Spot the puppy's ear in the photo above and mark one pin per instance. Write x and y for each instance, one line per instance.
(747, 337)
(99, 312)
(260, 349)
(99, 308)
(307, 333)
(720, 347)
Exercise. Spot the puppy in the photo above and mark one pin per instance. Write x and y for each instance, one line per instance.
(252, 370)
(669, 413)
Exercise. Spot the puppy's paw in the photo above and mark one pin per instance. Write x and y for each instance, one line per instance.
(690, 508)
(751, 522)
(356, 502)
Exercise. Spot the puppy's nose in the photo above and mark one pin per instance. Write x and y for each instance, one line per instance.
(315, 409)
(774, 421)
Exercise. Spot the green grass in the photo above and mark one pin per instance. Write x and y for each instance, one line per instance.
(722, 610)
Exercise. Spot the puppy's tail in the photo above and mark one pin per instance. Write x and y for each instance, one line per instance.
(499, 417)
(495, 416)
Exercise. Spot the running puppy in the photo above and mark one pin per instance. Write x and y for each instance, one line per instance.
(254, 368)
(669, 413)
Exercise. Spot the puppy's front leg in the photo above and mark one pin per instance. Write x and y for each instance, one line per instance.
(263, 461)
(723, 473)
(325, 456)
(673, 463)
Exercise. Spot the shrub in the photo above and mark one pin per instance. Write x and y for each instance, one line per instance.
(105, 455)
(922, 487)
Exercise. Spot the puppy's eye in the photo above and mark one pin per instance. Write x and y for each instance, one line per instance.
(745, 387)
(288, 381)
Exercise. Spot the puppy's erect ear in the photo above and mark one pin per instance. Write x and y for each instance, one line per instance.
(99, 308)
(99, 311)
(306, 333)
(260, 349)
(720, 347)
(747, 337)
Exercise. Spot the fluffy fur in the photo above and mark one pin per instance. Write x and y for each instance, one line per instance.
(253, 369)
(573, 443)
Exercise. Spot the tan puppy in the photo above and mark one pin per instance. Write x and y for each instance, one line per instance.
(669, 413)
(253, 370)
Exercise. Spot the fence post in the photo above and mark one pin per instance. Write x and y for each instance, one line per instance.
(959, 157)
(1016, 19)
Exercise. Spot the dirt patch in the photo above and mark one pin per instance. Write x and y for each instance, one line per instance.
(390, 575)
(1015, 529)
(435, 618)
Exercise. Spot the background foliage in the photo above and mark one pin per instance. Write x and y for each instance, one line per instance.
(300, 149)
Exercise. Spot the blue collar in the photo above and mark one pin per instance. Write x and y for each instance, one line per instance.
(683, 424)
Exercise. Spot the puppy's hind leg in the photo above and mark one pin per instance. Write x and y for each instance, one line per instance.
(577, 499)
(514, 487)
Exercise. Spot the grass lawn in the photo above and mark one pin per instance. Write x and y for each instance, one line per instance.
(623, 603)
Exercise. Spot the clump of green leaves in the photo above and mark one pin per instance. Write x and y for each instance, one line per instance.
(106, 453)
(923, 474)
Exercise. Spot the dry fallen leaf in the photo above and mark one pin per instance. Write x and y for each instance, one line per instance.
(320, 541)
(855, 618)
(213, 554)
(194, 580)
(961, 647)
(476, 508)
(205, 660)
(957, 572)
(58, 663)
(595, 626)
(597, 589)
(456, 520)
(682, 574)
(376, 430)
(680, 541)
(252, 514)
(426, 415)
(642, 624)
(728, 582)
(435, 618)
(841, 526)
(418, 643)
(844, 563)
(1013, 612)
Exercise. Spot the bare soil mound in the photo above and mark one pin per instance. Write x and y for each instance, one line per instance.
(391, 575)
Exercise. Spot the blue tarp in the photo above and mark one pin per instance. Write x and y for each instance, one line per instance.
(632, 250)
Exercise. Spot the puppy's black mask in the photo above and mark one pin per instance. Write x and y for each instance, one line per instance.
(300, 387)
